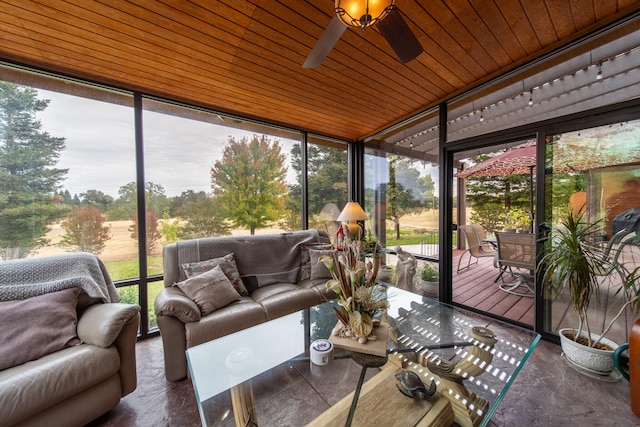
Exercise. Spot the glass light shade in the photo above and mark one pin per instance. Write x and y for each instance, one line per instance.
(352, 212)
(362, 13)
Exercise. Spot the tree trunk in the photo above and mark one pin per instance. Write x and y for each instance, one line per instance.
(13, 252)
(507, 196)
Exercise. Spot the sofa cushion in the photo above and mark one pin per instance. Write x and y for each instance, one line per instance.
(318, 269)
(37, 326)
(305, 259)
(320, 286)
(210, 290)
(235, 317)
(228, 265)
(280, 299)
(35, 386)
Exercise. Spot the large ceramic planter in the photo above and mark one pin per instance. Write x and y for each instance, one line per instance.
(385, 274)
(430, 289)
(591, 359)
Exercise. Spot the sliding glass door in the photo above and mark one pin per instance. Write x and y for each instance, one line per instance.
(595, 171)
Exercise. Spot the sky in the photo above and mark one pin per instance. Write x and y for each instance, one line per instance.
(100, 149)
(179, 152)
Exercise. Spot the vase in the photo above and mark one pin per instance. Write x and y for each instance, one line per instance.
(591, 359)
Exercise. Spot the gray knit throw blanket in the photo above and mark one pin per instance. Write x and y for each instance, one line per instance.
(26, 278)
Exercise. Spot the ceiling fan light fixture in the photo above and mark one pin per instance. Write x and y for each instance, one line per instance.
(363, 13)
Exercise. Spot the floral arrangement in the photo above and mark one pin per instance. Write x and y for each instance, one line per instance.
(359, 300)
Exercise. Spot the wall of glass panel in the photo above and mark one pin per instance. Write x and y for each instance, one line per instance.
(596, 171)
(327, 183)
(69, 180)
(75, 155)
(401, 199)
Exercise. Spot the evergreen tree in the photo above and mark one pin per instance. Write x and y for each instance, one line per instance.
(249, 181)
(28, 178)
(68, 200)
(507, 190)
(326, 179)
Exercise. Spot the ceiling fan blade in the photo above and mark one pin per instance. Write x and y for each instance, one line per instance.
(327, 40)
(399, 36)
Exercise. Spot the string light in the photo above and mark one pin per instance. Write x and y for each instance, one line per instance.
(599, 75)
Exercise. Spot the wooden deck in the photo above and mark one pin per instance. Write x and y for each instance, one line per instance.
(475, 287)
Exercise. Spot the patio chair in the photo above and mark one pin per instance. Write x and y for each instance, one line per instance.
(516, 253)
(475, 235)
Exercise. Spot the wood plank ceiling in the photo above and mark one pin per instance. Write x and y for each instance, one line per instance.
(245, 57)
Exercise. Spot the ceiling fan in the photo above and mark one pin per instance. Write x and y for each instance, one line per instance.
(363, 14)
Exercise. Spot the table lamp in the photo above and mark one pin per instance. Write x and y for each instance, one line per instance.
(352, 213)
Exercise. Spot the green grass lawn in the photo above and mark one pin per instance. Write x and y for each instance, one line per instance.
(121, 270)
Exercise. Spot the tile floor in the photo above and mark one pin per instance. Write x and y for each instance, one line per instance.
(547, 392)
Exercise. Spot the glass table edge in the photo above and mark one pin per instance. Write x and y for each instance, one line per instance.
(203, 418)
(503, 392)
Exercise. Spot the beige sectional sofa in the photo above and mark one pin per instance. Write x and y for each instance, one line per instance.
(68, 347)
(274, 275)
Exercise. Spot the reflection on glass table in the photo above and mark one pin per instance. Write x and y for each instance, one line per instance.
(472, 359)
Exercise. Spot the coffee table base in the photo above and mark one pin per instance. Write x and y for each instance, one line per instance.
(243, 402)
(380, 403)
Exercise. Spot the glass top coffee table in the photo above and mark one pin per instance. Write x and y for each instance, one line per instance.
(473, 359)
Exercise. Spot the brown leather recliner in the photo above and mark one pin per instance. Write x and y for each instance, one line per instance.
(72, 386)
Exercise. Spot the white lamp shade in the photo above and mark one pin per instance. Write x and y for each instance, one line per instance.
(352, 212)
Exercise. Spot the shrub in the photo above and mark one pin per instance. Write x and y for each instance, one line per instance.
(428, 273)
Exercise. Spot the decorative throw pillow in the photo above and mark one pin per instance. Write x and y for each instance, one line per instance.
(305, 259)
(318, 269)
(35, 327)
(210, 290)
(228, 265)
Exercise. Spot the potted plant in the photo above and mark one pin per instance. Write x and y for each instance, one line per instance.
(429, 278)
(577, 261)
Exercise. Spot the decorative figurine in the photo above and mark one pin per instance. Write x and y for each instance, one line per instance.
(405, 269)
(410, 384)
(340, 238)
